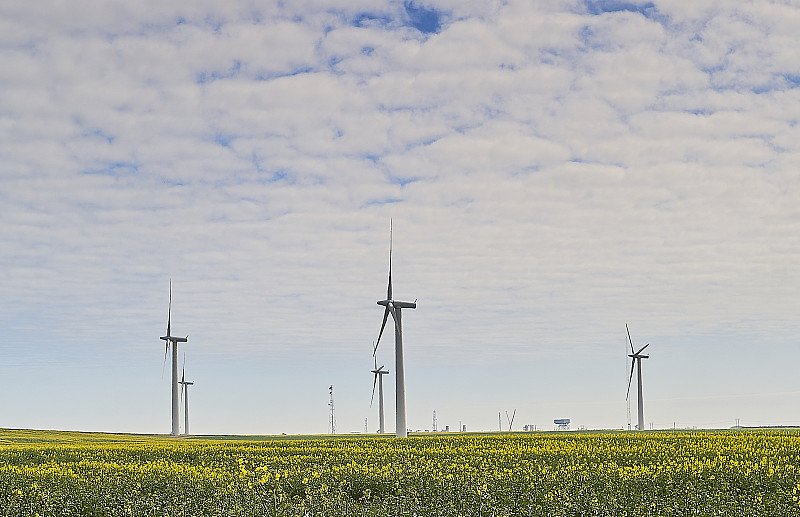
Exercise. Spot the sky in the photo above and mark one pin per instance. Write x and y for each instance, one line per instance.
(552, 171)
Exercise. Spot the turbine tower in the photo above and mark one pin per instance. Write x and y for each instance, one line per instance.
(379, 373)
(637, 363)
(186, 385)
(395, 308)
(173, 340)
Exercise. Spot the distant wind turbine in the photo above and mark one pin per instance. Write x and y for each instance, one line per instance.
(170, 339)
(394, 307)
(510, 420)
(379, 373)
(186, 385)
(636, 362)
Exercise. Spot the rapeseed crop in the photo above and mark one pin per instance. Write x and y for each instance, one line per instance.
(549, 474)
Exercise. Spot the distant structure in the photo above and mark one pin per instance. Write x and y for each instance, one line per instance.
(637, 364)
(528, 428)
(395, 308)
(332, 423)
(185, 384)
(379, 373)
(511, 420)
(562, 424)
(169, 339)
(435, 424)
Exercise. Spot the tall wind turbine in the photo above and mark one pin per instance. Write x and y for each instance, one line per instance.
(637, 363)
(394, 307)
(186, 385)
(379, 373)
(170, 339)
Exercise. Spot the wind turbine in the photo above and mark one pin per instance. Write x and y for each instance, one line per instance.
(186, 385)
(379, 373)
(510, 420)
(394, 307)
(170, 339)
(637, 362)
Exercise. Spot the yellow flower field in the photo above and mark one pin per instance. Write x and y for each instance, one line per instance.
(550, 474)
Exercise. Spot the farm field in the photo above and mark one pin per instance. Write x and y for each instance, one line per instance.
(747, 472)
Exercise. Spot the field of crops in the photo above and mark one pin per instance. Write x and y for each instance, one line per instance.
(553, 474)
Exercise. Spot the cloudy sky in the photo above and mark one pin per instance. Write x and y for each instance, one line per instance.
(553, 170)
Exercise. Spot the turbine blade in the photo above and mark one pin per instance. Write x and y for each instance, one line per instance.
(640, 350)
(383, 326)
(633, 363)
(389, 291)
(390, 245)
(394, 315)
(166, 351)
(629, 338)
(512, 420)
(169, 308)
(374, 382)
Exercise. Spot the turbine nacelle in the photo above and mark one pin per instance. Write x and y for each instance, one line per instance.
(398, 304)
(175, 339)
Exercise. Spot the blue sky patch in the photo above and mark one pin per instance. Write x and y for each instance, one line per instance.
(646, 9)
(371, 20)
(268, 76)
(115, 169)
(278, 175)
(101, 134)
(384, 201)
(232, 72)
(403, 181)
(762, 88)
(792, 80)
(223, 140)
(427, 21)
